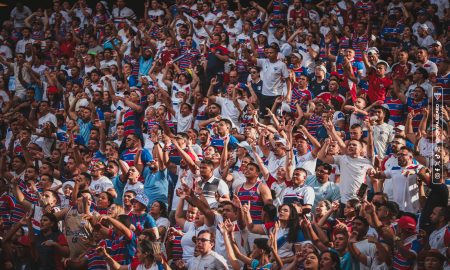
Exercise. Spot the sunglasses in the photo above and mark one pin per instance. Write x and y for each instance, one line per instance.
(203, 240)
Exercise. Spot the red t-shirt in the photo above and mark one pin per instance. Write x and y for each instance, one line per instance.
(378, 87)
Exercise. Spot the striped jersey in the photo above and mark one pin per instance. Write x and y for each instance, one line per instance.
(400, 262)
(396, 109)
(95, 261)
(416, 107)
(132, 122)
(141, 222)
(252, 196)
(122, 249)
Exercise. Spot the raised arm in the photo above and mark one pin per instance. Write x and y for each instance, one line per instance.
(322, 155)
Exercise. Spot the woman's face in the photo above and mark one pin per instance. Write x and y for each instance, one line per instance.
(46, 223)
(191, 213)
(321, 209)
(102, 201)
(155, 209)
(68, 190)
(432, 263)
(199, 219)
(326, 262)
(311, 261)
(284, 213)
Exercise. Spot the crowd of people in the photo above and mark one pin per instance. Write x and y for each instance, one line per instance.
(215, 134)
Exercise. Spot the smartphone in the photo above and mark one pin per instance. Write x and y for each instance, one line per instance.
(362, 191)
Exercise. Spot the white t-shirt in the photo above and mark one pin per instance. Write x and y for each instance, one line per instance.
(273, 75)
(49, 117)
(184, 122)
(273, 163)
(241, 237)
(406, 191)
(426, 149)
(307, 162)
(388, 187)
(429, 66)
(229, 110)
(304, 194)
(101, 185)
(186, 240)
(382, 135)
(368, 250)
(138, 187)
(353, 174)
(437, 239)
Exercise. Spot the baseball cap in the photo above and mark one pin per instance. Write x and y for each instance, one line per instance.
(437, 42)
(104, 66)
(324, 69)
(338, 116)
(68, 183)
(373, 50)
(407, 223)
(244, 144)
(299, 56)
(400, 127)
(282, 141)
(424, 26)
(142, 198)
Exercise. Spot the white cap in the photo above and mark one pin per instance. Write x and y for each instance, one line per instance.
(424, 26)
(400, 127)
(104, 66)
(244, 144)
(323, 68)
(299, 56)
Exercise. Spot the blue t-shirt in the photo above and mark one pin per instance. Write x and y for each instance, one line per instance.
(156, 185)
(119, 187)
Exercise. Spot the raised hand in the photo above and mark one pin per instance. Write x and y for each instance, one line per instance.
(236, 201)
(229, 226)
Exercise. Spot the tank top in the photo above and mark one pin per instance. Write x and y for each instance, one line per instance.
(256, 203)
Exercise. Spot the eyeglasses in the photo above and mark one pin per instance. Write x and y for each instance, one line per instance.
(203, 240)
(322, 171)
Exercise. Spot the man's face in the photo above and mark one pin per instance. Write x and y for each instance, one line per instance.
(322, 174)
(379, 113)
(404, 158)
(44, 169)
(435, 215)
(359, 227)
(205, 171)
(349, 54)
(204, 243)
(203, 136)
(381, 70)
(354, 147)
(421, 54)
(130, 142)
(272, 54)
(112, 169)
(355, 133)
(127, 197)
(396, 144)
(340, 242)
(30, 174)
(228, 212)
(298, 177)
(251, 172)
